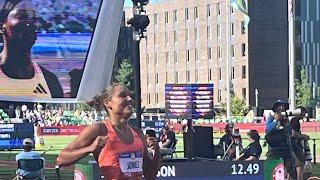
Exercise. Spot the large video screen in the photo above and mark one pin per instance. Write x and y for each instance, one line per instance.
(189, 101)
(12, 135)
(44, 47)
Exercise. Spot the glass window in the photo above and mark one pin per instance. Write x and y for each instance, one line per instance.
(155, 19)
(166, 17)
(209, 10)
(186, 14)
(196, 14)
(218, 9)
(244, 72)
(175, 15)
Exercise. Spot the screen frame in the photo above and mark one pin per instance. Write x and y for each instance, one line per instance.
(109, 15)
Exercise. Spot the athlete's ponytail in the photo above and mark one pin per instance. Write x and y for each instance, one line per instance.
(97, 101)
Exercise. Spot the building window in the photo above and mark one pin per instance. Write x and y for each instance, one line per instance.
(166, 17)
(218, 9)
(196, 54)
(123, 45)
(176, 77)
(155, 19)
(197, 75)
(243, 27)
(167, 75)
(149, 98)
(175, 15)
(167, 58)
(188, 76)
(218, 31)
(244, 72)
(157, 78)
(196, 34)
(147, 59)
(209, 53)
(231, 10)
(187, 55)
(232, 73)
(209, 10)
(243, 49)
(232, 29)
(166, 37)
(219, 52)
(244, 93)
(175, 57)
(156, 59)
(210, 74)
(187, 34)
(186, 14)
(219, 95)
(196, 14)
(297, 8)
(157, 98)
(220, 74)
(209, 32)
(175, 36)
(232, 51)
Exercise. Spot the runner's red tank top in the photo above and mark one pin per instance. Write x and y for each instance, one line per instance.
(121, 161)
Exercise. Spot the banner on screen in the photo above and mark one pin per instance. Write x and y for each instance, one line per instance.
(62, 130)
(51, 46)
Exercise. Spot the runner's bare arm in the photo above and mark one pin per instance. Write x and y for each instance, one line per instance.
(87, 142)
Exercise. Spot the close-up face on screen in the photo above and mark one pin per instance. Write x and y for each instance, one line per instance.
(44, 46)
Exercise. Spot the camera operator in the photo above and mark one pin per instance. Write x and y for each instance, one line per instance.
(297, 139)
(278, 134)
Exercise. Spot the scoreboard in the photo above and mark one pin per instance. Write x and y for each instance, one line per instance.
(12, 134)
(189, 101)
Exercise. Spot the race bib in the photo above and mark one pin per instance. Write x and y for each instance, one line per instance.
(130, 162)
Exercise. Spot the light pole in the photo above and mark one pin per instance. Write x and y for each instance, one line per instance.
(139, 23)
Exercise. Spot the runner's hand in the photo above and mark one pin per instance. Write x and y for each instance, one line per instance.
(153, 143)
(98, 143)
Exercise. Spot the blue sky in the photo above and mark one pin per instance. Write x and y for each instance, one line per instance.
(129, 2)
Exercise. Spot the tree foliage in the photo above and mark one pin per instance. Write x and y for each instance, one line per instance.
(125, 76)
(237, 106)
(303, 90)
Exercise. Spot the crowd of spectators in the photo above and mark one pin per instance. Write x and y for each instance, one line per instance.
(66, 15)
(51, 116)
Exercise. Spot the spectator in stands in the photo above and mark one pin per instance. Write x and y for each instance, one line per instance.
(166, 140)
(28, 144)
(10, 111)
(19, 35)
(119, 149)
(18, 112)
(253, 150)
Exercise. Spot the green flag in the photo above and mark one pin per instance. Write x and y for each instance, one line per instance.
(242, 7)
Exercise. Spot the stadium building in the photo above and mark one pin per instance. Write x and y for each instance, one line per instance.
(187, 44)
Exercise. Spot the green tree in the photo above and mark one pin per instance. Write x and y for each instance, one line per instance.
(303, 90)
(237, 106)
(124, 75)
(83, 107)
